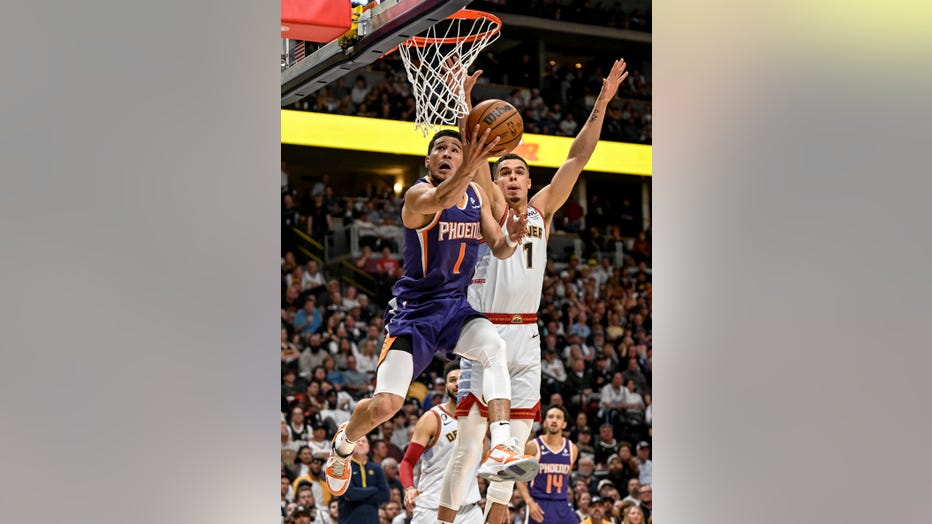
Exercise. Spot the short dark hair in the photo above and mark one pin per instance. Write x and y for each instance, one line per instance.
(442, 133)
(452, 366)
(509, 156)
(566, 415)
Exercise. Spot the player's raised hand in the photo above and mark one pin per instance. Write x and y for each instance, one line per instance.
(516, 226)
(477, 151)
(614, 79)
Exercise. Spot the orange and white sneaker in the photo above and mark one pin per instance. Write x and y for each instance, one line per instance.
(336, 471)
(507, 462)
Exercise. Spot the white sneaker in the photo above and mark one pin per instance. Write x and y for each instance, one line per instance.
(506, 462)
(336, 471)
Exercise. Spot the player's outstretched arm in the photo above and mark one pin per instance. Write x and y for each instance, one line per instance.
(424, 431)
(554, 195)
(502, 245)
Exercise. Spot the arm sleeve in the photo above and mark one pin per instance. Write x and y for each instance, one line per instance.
(412, 455)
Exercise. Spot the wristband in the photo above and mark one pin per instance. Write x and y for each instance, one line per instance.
(509, 242)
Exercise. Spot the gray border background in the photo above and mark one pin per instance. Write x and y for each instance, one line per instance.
(139, 220)
(140, 237)
(791, 253)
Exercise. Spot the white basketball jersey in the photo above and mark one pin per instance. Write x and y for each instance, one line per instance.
(512, 285)
(428, 475)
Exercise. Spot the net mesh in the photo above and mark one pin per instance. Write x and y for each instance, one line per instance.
(437, 62)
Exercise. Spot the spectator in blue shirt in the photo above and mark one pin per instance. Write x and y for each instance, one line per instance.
(308, 320)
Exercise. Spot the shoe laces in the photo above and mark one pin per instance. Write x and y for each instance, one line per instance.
(339, 464)
(512, 445)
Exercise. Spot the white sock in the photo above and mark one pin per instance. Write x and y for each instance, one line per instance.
(501, 432)
(343, 445)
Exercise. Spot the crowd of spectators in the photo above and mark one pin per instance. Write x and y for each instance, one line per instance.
(554, 103)
(596, 341)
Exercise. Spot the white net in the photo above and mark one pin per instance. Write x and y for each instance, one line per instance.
(437, 62)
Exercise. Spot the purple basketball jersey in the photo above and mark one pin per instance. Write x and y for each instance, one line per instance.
(552, 481)
(439, 259)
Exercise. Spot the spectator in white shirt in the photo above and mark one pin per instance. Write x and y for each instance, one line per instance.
(612, 400)
(553, 372)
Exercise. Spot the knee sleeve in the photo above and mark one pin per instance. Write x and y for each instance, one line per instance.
(480, 342)
(395, 373)
(500, 492)
(467, 451)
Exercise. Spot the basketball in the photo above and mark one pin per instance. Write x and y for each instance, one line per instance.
(504, 121)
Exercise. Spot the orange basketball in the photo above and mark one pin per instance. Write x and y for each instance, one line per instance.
(502, 118)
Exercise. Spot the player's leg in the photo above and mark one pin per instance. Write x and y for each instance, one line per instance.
(524, 367)
(480, 342)
(461, 469)
(499, 493)
(393, 378)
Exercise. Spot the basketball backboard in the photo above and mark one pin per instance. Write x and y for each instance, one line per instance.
(379, 30)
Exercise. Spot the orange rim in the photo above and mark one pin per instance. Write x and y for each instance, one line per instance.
(463, 14)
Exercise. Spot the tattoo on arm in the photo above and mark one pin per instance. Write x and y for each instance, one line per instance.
(595, 115)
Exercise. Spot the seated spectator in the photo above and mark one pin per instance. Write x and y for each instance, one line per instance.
(318, 443)
(367, 358)
(367, 261)
(584, 441)
(388, 265)
(582, 504)
(308, 319)
(553, 374)
(578, 385)
(633, 373)
(633, 487)
(629, 465)
(612, 400)
(605, 446)
(313, 281)
(312, 356)
(289, 350)
(390, 233)
(641, 249)
(292, 385)
(336, 412)
(568, 125)
(334, 377)
(596, 513)
(367, 230)
(357, 382)
(573, 214)
(645, 465)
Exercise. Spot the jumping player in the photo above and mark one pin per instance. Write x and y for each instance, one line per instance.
(508, 291)
(548, 500)
(426, 461)
(445, 216)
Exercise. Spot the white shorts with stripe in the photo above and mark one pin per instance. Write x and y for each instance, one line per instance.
(522, 342)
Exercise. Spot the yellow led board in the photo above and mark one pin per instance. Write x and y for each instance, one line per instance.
(392, 136)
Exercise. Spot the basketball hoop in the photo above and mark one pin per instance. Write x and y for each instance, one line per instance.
(437, 62)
